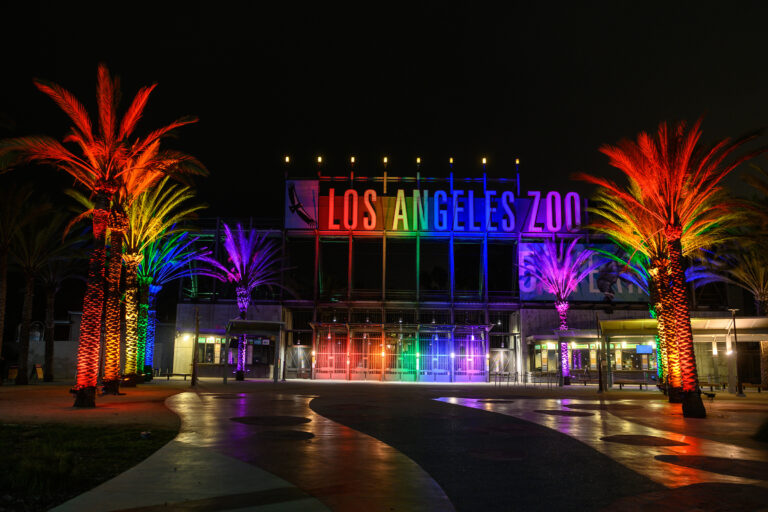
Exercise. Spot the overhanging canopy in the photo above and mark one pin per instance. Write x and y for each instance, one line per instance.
(704, 329)
(253, 327)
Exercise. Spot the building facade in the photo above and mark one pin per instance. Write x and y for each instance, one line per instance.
(413, 279)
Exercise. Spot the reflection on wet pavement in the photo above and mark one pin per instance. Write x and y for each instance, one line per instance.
(671, 466)
(344, 469)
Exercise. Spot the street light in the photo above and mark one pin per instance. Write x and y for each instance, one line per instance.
(739, 387)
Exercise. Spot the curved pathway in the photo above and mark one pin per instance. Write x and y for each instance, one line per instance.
(243, 451)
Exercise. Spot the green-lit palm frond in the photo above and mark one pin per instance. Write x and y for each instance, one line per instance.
(154, 212)
(170, 257)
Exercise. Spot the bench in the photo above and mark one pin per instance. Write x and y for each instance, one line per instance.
(584, 380)
(621, 383)
(745, 385)
(169, 375)
(712, 385)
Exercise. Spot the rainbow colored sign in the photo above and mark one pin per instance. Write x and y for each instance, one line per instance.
(467, 209)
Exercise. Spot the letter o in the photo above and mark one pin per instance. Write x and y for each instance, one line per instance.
(350, 224)
(554, 212)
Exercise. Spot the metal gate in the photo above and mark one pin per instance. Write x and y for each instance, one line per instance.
(365, 356)
(435, 356)
(399, 355)
(331, 355)
(470, 358)
(299, 362)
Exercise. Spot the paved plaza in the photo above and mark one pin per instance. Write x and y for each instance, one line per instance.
(310, 446)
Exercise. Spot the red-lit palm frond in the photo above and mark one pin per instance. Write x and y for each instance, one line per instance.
(672, 177)
(111, 159)
(633, 226)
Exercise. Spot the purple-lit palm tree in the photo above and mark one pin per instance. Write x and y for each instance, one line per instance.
(560, 269)
(251, 262)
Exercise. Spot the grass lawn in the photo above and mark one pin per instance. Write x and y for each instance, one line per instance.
(45, 465)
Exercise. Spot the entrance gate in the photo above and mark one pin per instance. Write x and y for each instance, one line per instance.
(435, 357)
(405, 355)
(331, 356)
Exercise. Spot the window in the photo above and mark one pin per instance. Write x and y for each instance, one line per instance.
(468, 269)
(366, 268)
(334, 255)
(434, 268)
(502, 269)
(401, 268)
(300, 273)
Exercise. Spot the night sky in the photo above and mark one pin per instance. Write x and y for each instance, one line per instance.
(544, 82)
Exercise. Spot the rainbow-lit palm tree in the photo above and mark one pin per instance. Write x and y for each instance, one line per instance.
(153, 213)
(251, 262)
(559, 269)
(166, 259)
(102, 159)
(641, 235)
(672, 179)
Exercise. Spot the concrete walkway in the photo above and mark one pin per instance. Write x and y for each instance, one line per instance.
(239, 451)
(667, 457)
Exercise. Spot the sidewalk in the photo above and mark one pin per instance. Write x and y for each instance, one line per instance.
(236, 450)
(52, 403)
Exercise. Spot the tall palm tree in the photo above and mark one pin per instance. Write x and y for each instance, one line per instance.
(52, 275)
(14, 214)
(149, 216)
(642, 236)
(37, 246)
(103, 159)
(559, 270)
(673, 179)
(166, 259)
(252, 261)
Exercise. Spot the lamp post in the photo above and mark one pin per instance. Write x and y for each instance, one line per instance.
(739, 387)
(194, 347)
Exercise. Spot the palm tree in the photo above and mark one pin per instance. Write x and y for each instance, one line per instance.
(37, 246)
(52, 276)
(14, 214)
(560, 270)
(251, 262)
(105, 158)
(745, 267)
(149, 216)
(166, 259)
(642, 236)
(673, 179)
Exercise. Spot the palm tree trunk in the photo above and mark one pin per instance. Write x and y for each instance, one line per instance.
(142, 327)
(131, 313)
(26, 321)
(692, 404)
(93, 307)
(655, 285)
(151, 323)
(764, 364)
(112, 314)
(667, 326)
(241, 343)
(562, 310)
(50, 302)
(3, 293)
(761, 305)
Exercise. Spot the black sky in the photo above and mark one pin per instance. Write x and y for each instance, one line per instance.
(547, 82)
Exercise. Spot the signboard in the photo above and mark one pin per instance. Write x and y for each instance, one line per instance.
(602, 285)
(469, 207)
(301, 204)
